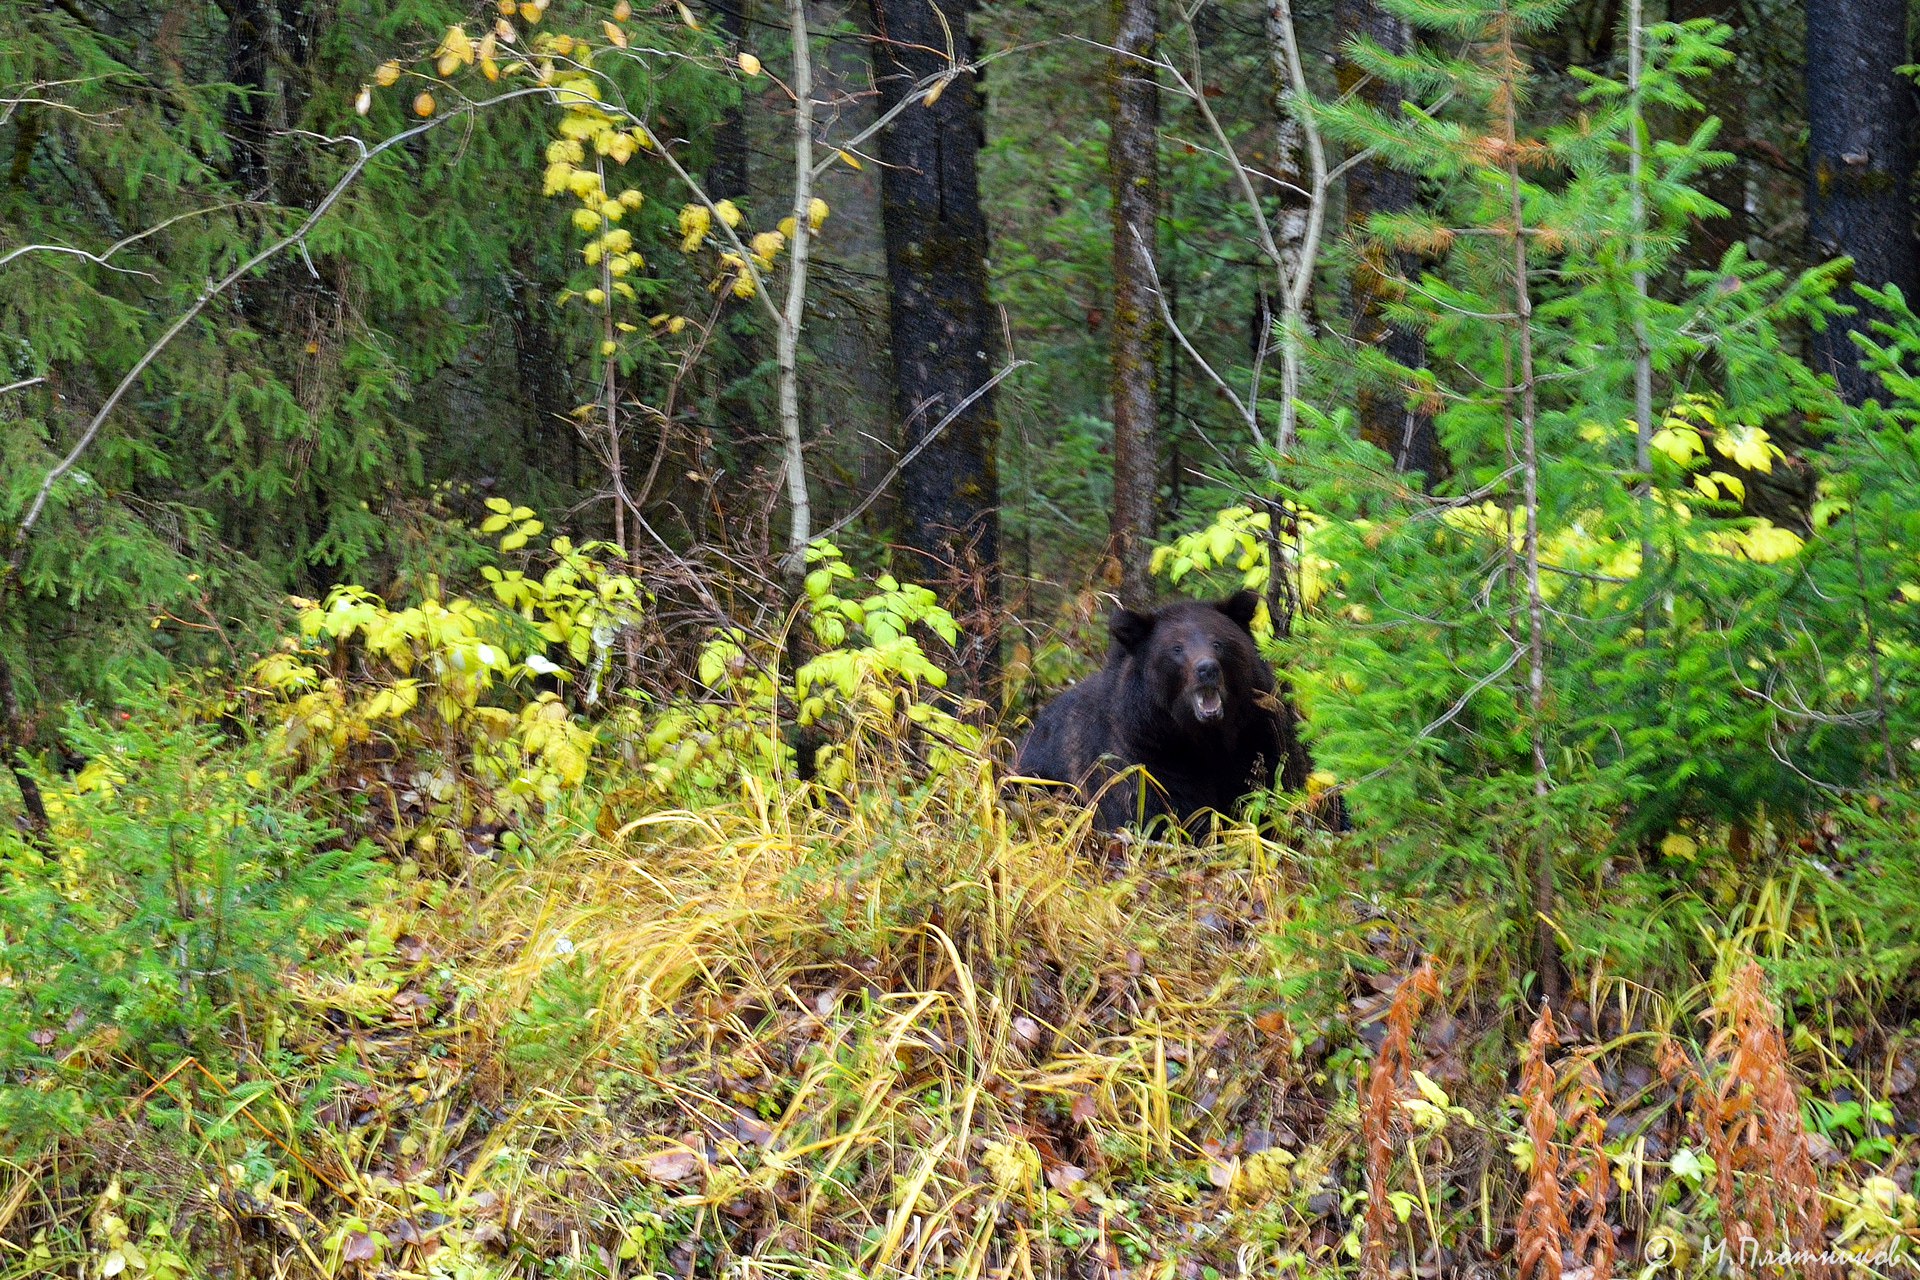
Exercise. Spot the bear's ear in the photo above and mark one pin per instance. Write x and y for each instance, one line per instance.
(1241, 606)
(1130, 629)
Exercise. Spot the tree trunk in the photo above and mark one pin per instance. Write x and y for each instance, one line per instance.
(741, 446)
(1133, 153)
(1860, 116)
(941, 326)
(1725, 96)
(12, 743)
(1405, 433)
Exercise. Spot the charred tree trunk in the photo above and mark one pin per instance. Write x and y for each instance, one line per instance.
(250, 41)
(1725, 95)
(1860, 152)
(941, 324)
(1133, 153)
(742, 439)
(1386, 420)
(12, 743)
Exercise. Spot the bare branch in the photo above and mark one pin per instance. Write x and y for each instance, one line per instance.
(901, 463)
(213, 290)
(1180, 335)
(100, 259)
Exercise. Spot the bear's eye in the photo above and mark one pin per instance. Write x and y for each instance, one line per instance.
(1219, 646)
(1179, 650)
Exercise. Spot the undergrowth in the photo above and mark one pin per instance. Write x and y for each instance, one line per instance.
(882, 1029)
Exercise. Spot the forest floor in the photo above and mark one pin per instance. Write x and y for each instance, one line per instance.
(913, 1035)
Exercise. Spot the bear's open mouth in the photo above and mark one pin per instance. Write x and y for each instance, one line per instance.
(1207, 704)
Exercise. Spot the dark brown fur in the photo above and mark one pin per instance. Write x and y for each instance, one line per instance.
(1153, 705)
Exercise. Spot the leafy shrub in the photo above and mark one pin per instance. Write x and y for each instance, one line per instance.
(453, 684)
(861, 693)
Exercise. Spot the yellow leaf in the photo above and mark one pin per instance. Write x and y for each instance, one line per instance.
(1678, 441)
(728, 211)
(608, 347)
(748, 63)
(622, 11)
(686, 15)
(364, 102)
(851, 161)
(423, 105)
(615, 35)
(766, 247)
(1767, 542)
(388, 73)
(457, 45)
(632, 199)
(1749, 447)
(933, 94)
(586, 219)
(1679, 846)
(695, 223)
(596, 297)
(816, 212)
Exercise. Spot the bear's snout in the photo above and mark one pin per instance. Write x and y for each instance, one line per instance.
(1209, 700)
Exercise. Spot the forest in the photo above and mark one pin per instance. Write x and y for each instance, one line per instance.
(532, 533)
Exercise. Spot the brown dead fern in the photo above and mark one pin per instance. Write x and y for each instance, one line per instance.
(1543, 1216)
(1380, 1121)
(1748, 1112)
(1593, 1243)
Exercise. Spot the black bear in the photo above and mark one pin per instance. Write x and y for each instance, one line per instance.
(1185, 695)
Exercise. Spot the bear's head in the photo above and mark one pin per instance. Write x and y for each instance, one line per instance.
(1196, 658)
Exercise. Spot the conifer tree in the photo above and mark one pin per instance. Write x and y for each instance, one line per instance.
(1481, 623)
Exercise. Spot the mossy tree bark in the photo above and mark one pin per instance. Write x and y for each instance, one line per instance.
(1386, 418)
(941, 322)
(1860, 156)
(1133, 155)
